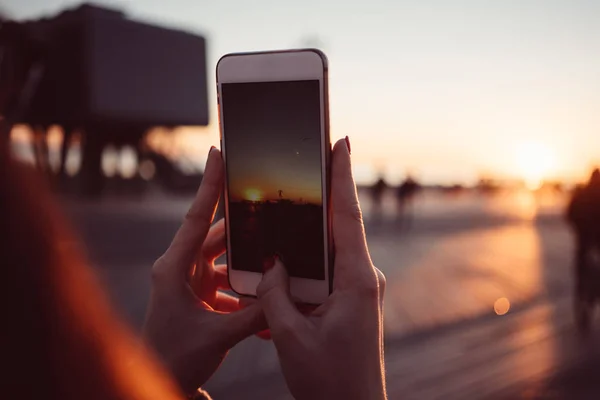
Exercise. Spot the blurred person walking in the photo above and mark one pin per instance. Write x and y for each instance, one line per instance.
(583, 214)
(405, 194)
(377, 192)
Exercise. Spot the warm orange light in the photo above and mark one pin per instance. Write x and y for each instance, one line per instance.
(253, 194)
(535, 162)
(501, 306)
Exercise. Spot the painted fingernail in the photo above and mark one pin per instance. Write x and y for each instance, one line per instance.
(268, 264)
(348, 144)
(265, 335)
(208, 163)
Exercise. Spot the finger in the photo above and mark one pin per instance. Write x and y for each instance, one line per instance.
(220, 277)
(203, 277)
(352, 256)
(247, 302)
(381, 282)
(238, 325)
(214, 244)
(205, 284)
(191, 234)
(274, 296)
(226, 303)
(207, 278)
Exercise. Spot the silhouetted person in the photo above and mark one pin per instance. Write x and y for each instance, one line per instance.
(583, 214)
(377, 191)
(405, 194)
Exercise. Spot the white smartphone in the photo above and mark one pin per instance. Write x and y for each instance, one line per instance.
(274, 124)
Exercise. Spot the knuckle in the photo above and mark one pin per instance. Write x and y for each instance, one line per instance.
(382, 280)
(159, 269)
(199, 215)
(369, 287)
(352, 211)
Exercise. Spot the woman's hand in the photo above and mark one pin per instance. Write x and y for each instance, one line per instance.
(193, 329)
(337, 351)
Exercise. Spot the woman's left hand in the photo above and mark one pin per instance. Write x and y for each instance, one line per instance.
(189, 323)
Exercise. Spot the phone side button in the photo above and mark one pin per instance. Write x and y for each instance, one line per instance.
(219, 119)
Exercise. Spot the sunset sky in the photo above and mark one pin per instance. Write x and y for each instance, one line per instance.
(273, 141)
(447, 90)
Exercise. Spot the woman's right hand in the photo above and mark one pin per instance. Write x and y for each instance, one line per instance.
(336, 352)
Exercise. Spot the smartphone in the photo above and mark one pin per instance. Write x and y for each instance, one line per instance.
(274, 125)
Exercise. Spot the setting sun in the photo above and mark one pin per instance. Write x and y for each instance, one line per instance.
(535, 161)
(253, 194)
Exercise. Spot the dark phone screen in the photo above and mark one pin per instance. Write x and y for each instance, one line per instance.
(272, 135)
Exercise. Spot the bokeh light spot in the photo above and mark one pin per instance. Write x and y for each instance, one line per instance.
(501, 306)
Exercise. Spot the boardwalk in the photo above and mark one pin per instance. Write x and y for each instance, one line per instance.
(445, 274)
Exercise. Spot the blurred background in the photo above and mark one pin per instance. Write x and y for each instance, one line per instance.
(474, 125)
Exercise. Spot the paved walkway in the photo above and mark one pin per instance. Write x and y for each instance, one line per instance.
(448, 277)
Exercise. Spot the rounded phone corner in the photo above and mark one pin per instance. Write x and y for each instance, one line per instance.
(233, 289)
(231, 286)
(322, 56)
(224, 57)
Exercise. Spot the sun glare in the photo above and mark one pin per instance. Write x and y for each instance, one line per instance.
(253, 194)
(535, 162)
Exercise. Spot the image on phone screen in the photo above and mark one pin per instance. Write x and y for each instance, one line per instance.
(272, 135)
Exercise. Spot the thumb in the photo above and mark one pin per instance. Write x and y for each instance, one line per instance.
(348, 229)
(274, 296)
(240, 324)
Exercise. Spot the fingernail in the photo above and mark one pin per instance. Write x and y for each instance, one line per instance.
(279, 264)
(265, 335)
(348, 144)
(268, 264)
(206, 166)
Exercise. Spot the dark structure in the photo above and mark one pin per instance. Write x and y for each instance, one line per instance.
(94, 71)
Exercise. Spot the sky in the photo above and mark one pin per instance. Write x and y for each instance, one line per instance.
(272, 140)
(445, 90)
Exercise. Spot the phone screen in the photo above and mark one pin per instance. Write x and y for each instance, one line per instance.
(272, 135)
